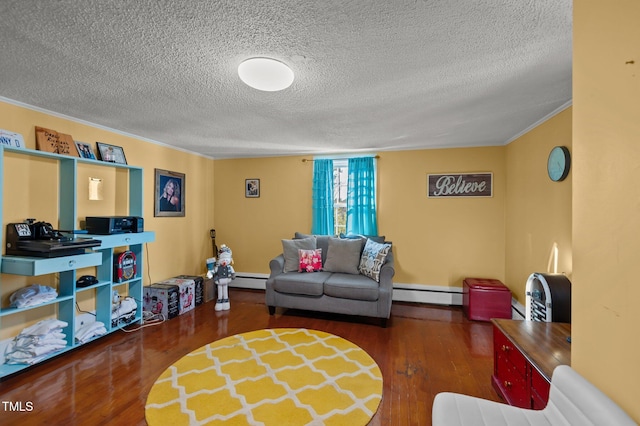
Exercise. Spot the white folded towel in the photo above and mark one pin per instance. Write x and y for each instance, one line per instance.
(88, 331)
(44, 327)
(36, 342)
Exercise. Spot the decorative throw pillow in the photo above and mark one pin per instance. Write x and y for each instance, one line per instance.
(322, 241)
(372, 259)
(343, 255)
(290, 252)
(310, 260)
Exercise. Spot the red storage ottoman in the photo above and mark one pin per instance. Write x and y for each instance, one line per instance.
(483, 299)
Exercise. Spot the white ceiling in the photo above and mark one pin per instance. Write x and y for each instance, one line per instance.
(371, 75)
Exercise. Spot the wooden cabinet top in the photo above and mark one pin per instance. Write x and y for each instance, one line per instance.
(544, 344)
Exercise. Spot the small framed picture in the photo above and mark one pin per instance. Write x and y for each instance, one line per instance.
(111, 153)
(252, 188)
(170, 193)
(85, 150)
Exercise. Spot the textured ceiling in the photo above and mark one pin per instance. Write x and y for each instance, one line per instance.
(370, 75)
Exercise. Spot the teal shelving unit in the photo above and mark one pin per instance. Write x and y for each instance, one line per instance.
(100, 257)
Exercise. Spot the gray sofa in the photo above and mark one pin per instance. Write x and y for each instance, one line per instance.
(340, 287)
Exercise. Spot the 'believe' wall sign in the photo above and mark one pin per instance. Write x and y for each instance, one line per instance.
(460, 185)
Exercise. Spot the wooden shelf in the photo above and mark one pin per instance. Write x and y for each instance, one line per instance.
(34, 266)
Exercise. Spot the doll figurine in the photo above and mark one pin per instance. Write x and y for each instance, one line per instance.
(223, 274)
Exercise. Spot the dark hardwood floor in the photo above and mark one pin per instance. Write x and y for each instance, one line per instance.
(424, 350)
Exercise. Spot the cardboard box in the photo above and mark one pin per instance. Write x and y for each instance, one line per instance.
(209, 290)
(162, 299)
(199, 287)
(187, 289)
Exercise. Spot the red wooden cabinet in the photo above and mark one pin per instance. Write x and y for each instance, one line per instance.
(539, 390)
(509, 371)
(524, 356)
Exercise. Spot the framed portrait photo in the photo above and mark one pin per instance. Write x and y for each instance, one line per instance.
(169, 193)
(111, 153)
(85, 150)
(252, 188)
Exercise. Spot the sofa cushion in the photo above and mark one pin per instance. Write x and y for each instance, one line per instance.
(348, 286)
(322, 242)
(343, 255)
(373, 257)
(376, 238)
(298, 283)
(290, 251)
(310, 260)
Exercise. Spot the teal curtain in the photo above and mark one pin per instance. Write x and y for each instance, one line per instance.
(322, 221)
(361, 197)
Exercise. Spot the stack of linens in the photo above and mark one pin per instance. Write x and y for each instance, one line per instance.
(36, 342)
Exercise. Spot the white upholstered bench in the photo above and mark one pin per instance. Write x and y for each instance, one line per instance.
(572, 401)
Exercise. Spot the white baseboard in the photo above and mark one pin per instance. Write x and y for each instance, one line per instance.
(250, 281)
(517, 310)
(416, 293)
(401, 292)
(434, 294)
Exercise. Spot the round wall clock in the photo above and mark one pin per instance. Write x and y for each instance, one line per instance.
(559, 163)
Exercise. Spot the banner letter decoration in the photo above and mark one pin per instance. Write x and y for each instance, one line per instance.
(460, 185)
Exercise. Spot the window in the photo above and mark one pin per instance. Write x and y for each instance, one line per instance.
(344, 196)
(340, 176)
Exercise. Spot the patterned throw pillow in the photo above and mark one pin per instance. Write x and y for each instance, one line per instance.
(372, 259)
(310, 260)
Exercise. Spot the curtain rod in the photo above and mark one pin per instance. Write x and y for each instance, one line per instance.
(305, 160)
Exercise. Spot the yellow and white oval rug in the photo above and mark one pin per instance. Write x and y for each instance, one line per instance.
(269, 377)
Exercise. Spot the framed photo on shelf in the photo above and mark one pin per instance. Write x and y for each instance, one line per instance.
(111, 153)
(85, 150)
(252, 188)
(169, 193)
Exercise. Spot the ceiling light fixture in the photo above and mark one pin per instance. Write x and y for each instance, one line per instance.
(265, 74)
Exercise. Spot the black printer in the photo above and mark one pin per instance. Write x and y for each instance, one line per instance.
(106, 225)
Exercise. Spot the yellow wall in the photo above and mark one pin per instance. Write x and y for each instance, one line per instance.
(440, 242)
(253, 227)
(436, 241)
(181, 245)
(606, 198)
(538, 210)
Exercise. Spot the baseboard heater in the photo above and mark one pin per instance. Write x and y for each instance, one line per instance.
(438, 295)
(417, 293)
(250, 281)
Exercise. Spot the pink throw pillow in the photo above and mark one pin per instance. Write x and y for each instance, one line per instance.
(310, 260)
